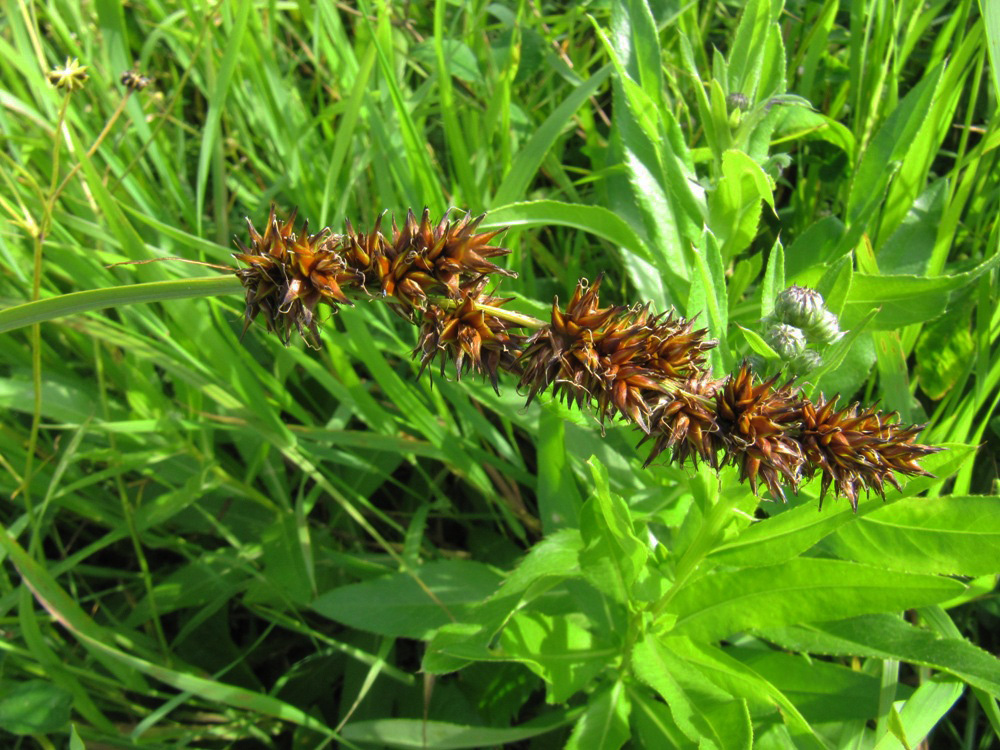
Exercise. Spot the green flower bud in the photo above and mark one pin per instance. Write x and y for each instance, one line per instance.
(739, 101)
(799, 306)
(826, 330)
(787, 341)
(807, 361)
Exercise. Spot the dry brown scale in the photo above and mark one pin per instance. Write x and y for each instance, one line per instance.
(646, 369)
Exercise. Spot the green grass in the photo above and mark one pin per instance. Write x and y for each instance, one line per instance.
(213, 542)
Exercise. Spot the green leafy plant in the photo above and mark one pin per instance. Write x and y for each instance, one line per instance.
(211, 538)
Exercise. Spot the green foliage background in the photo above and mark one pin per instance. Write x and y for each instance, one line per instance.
(226, 543)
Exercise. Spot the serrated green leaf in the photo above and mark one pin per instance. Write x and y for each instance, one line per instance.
(952, 535)
(883, 636)
(801, 590)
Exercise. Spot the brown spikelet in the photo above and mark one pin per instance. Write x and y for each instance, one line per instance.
(562, 353)
(858, 449)
(756, 423)
(422, 258)
(620, 357)
(288, 274)
(470, 336)
(684, 421)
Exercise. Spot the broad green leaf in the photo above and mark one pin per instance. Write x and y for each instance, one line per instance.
(909, 249)
(810, 251)
(792, 532)
(410, 605)
(652, 724)
(693, 699)
(991, 15)
(284, 557)
(660, 179)
(604, 725)
(822, 691)
(774, 279)
(557, 649)
(758, 345)
(905, 299)
(745, 58)
(419, 733)
(708, 295)
(943, 352)
(740, 681)
(552, 560)
(801, 123)
(923, 710)
(613, 556)
(558, 499)
(734, 204)
(42, 310)
(719, 604)
(952, 535)
(884, 636)
(75, 743)
(894, 379)
(596, 220)
(33, 706)
(835, 284)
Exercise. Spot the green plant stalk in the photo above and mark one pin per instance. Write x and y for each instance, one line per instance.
(44, 310)
(38, 240)
(36, 285)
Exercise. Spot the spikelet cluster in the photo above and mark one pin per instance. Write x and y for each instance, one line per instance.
(644, 368)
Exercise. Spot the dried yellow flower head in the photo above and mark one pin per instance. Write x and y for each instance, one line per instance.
(70, 77)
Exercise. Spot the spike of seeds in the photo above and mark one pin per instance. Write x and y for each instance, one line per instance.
(646, 369)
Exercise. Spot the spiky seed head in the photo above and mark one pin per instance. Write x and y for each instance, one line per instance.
(421, 258)
(469, 335)
(756, 421)
(684, 421)
(858, 449)
(288, 274)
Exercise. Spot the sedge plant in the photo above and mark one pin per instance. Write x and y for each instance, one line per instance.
(220, 538)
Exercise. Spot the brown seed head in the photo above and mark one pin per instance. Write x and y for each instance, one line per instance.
(288, 274)
(615, 355)
(423, 258)
(756, 427)
(858, 449)
(684, 421)
(470, 336)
